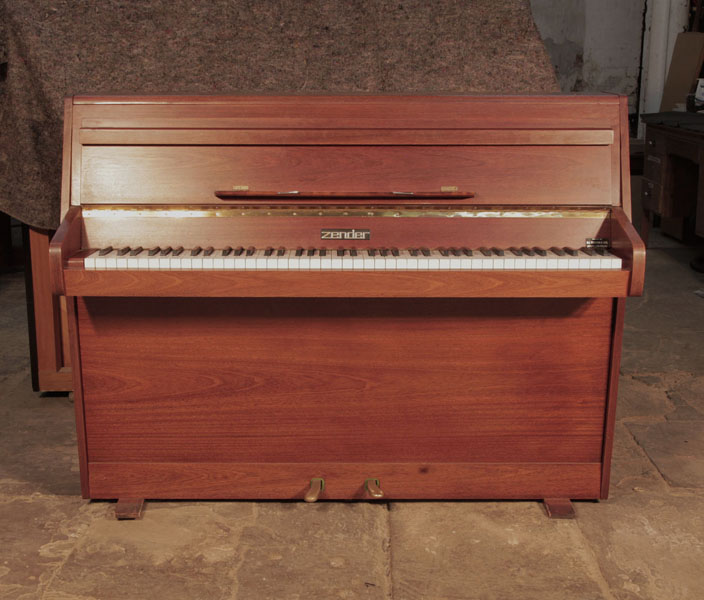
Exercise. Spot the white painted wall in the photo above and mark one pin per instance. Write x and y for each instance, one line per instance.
(595, 45)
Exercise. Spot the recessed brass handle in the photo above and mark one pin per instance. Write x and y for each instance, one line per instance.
(317, 485)
(373, 489)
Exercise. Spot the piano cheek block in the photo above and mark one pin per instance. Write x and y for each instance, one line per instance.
(378, 336)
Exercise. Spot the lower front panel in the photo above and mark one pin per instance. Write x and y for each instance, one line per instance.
(251, 398)
(413, 481)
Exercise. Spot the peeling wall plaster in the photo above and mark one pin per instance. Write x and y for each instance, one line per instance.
(594, 45)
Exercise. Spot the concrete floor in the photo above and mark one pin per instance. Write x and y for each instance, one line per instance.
(645, 542)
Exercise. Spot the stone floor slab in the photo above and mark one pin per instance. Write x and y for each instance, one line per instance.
(177, 551)
(636, 398)
(664, 328)
(676, 448)
(649, 545)
(323, 550)
(489, 551)
(37, 534)
(14, 350)
(38, 437)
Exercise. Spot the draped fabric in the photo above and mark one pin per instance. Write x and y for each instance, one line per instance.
(56, 48)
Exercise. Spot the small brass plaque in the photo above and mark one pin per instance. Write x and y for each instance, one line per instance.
(449, 188)
(240, 188)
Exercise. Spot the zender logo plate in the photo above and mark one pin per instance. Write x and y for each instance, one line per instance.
(345, 234)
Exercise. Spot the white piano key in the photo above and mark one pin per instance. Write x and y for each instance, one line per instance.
(294, 262)
(282, 261)
(390, 262)
(326, 261)
(228, 262)
(218, 260)
(412, 261)
(498, 263)
(153, 262)
(402, 260)
(336, 261)
(443, 262)
(434, 261)
(531, 263)
(466, 262)
(573, 262)
(304, 262)
(89, 261)
(369, 263)
(347, 262)
(551, 260)
(250, 262)
(241, 261)
(615, 261)
(379, 262)
(358, 261)
(315, 262)
(541, 262)
(260, 259)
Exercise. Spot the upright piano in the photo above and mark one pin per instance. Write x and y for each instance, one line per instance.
(346, 297)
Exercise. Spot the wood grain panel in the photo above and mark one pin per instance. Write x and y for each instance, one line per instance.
(292, 231)
(305, 380)
(514, 175)
(338, 284)
(180, 134)
(417, 481)
(507, 112)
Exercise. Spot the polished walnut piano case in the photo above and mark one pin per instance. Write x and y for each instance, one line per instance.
(433, 384)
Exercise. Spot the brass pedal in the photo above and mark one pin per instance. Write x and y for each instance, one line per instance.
(373, 489)
(317, 485)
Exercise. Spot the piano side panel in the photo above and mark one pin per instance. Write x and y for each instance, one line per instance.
(509, 175)
(313, 380)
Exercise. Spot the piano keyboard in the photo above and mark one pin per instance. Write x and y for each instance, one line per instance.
(367, 259)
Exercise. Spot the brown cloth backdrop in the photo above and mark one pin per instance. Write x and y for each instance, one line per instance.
(56, 48)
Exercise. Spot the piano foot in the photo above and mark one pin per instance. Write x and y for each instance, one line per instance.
(559, 508)
(129, 508)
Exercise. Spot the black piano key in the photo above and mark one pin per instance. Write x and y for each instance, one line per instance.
(527, 251)
(556, 250)
(570, 251)
(371, 251)
(425, 251)
(208, 251)
(105, 251)
(154, 251)
(123, 251)
(239, 251)
(466, 251)
(281, 251)
(600, 251)
(310, 252)
(497, 251)
(395, 252)
(269, 251)
(515, 251)
(196, 251)
(588, 251)
(165, 251)
(323, 252)
(413, 251)
(178, 251)
(340, 252)
(353, 251)
(443, 251)
(540, 251)
(455, 251)
(250, 251)
(299, 251)
(227, 250)
(384, 252)
(136, 251)
(485, 251)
